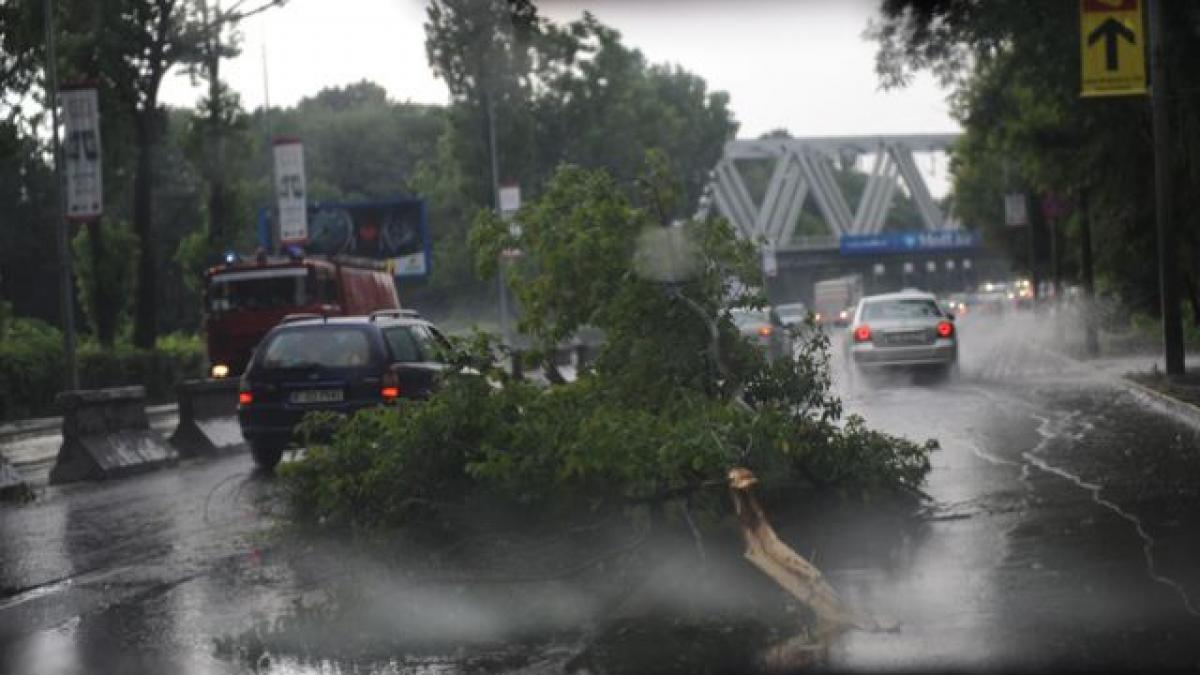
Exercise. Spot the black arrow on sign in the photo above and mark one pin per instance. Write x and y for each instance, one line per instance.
(1110, 30)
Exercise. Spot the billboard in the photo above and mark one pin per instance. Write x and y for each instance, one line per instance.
(81, 153)
(908, 242)
(394, 230)
(290, 191)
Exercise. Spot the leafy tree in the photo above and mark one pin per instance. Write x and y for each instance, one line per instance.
(130, 46)
(558, 94)
(603, 105)
(677, 396)
(1015, 70)
(28, 275)
(359, 144)
(220, 110)
(108, 271)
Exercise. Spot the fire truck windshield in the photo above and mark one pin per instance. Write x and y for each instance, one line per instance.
(260, 289)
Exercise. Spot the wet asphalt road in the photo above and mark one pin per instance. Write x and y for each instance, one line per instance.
(1064, 530)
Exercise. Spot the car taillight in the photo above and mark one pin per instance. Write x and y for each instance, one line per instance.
(245, 398)
(945, 329)
(765, 331)
(389, 387)
(862, 333)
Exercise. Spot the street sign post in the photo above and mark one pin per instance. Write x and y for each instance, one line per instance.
(290, 191)
(1015, 211)
(1112, 48)
(81, 153)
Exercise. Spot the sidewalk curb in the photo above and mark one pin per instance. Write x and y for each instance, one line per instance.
(1165, 404)
(1181, 411)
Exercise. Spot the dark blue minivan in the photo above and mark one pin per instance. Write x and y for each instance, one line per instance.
(342, 364)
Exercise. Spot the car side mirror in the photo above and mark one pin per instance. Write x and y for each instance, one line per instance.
(950, 315)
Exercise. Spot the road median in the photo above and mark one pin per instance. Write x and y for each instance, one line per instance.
(106, 434)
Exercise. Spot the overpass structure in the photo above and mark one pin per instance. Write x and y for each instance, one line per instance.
(856, 239)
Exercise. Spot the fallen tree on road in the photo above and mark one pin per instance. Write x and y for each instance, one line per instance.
(648, 434)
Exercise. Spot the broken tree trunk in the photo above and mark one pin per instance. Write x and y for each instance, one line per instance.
(787, 568)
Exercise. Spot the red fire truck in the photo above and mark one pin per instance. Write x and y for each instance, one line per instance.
(244, 300)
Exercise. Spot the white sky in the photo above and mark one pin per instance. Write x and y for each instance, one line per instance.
(798, 64)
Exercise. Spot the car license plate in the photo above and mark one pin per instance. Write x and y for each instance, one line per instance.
(318, 396)
(910, 338)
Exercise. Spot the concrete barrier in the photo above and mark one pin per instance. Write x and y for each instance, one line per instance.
(208, 422)
(106, 435)
(12, 484)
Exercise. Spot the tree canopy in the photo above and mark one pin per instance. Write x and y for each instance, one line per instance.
(1014, 68)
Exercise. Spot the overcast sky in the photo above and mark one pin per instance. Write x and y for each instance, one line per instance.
(801, 65)
(798, 64)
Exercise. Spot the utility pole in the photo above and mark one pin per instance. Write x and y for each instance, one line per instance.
(1091, 337)
(1034, 279)
(1172, 322)
(490, 111)
(66, 276)
(268, 152)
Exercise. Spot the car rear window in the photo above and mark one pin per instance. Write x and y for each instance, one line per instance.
(319, 346)
(915, 308)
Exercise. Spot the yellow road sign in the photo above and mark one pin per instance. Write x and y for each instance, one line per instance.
(1111, 42)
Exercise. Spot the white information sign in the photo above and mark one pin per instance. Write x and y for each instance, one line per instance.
(290, 192)
(770, 260)
(1015, 212)
(510, 199)
(81, 153)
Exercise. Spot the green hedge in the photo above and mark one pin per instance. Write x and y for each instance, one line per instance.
(31, 367)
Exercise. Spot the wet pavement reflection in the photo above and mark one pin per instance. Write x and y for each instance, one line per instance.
(1063, 530)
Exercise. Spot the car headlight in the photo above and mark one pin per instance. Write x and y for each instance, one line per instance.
(220, 370)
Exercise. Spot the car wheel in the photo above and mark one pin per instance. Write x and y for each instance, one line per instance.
(266, 452)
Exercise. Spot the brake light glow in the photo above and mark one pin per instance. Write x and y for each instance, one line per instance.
(765, 331)
(945, 329)
(389, 388)
(245, 398)
(862, 333)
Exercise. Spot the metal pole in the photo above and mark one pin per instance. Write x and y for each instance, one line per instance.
(270, 153)
(1172, 322)
(1091, 336)
(489, 110)
(66, 276)
(1034, 281)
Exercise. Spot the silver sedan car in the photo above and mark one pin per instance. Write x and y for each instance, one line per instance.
(902, 329)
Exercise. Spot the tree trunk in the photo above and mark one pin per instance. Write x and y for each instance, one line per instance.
(145, 326)
(103, 307)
